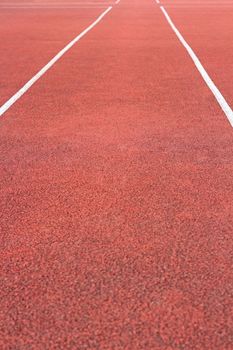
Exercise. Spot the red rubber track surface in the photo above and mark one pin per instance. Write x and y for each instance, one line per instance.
(30, 37)
(208, 28)
(116, 196)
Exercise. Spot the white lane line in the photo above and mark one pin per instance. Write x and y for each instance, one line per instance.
(217, 94)
(117, 2)
(158, 2)
(36, 77)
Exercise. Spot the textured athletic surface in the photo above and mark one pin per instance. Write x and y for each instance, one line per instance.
(116, 181)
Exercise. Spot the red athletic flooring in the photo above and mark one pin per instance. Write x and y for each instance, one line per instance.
(31, 37)
(116, 180)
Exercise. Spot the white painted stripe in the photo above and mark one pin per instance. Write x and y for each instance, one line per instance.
(117, 1)
(36, 77)
(158, 2)
(217, 94)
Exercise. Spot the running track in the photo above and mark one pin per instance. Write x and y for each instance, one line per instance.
(116, 177)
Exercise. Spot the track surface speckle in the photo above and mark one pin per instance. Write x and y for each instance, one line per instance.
(116, 197)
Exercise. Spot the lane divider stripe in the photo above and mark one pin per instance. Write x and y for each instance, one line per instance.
(36, 77)
(217, 94)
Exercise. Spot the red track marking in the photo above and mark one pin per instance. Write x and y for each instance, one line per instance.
(117, 199)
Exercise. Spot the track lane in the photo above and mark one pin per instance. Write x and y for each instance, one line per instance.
(30, 38)
(11, 101)
(117, 198)
(211, 40)
(220, 99)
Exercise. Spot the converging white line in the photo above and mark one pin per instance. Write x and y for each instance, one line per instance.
(36, 77)
(217, 94)
(158, 2)
(117, 1)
